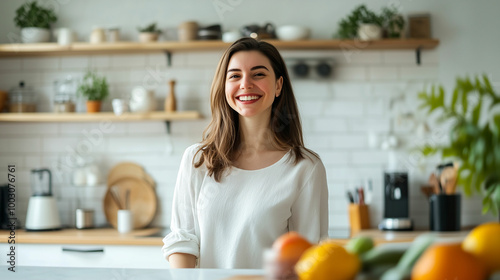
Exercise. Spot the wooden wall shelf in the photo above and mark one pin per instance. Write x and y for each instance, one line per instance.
(45, 49)
(85, 117)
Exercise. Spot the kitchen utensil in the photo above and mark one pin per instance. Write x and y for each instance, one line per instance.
(143, 202)
(84, 218)
(427, 190)
(128, 169)
(434, 182)
(292, 32)
(449, 179)
(115, 195)
(170, 101)
(42, 211)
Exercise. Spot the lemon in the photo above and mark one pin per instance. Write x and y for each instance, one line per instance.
(327, 261)
(484, 242)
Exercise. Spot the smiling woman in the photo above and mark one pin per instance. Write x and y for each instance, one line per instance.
(250, 179)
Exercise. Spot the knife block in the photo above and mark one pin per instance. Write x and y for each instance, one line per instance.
(359, 217)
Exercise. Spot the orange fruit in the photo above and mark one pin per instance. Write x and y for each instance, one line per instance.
(484, 243)
(327, 261)
(290, 246)
(448, 261)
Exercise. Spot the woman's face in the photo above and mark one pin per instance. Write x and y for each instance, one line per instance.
(251, 84)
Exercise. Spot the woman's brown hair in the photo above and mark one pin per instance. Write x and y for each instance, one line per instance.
(221, 138)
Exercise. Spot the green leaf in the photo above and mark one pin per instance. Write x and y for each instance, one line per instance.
(477, 111)
(454, 100)
(428, 150)
(486, 205)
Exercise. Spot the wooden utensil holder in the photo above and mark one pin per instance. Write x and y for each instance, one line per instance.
(359, 217)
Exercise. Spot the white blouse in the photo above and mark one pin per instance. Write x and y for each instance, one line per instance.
(229, 224)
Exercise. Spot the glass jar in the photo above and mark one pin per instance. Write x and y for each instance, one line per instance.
(22, 99)
(64, 95)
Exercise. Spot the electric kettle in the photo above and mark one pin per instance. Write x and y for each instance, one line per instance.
(42, 207)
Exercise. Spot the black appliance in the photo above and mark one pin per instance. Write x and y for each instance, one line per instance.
(396, 202)
(4, 200)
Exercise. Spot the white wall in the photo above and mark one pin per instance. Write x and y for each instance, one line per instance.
(337, 114)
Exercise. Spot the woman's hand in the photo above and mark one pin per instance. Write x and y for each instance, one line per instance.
(181, 260)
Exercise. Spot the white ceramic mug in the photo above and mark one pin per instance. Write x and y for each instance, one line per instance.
(65, 36)
(125, 221)
(119, 106)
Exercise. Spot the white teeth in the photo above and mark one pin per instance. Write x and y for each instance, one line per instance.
(248, 98)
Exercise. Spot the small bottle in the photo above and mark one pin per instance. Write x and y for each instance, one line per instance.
(170, 105)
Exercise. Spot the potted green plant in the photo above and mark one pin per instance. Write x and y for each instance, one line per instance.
(394, 22)
(474, 112)
(149, 33)
(361, 23)
(34, 21)
(95, 89)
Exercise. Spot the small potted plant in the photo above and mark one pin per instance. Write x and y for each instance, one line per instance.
(474, 141)
(95, 89)
(362, 23)
(394, 23)
(34, 21)
(149, 33)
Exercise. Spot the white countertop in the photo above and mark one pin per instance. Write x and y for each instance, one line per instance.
(63, 273)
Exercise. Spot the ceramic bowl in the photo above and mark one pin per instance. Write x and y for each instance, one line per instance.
(292, 32)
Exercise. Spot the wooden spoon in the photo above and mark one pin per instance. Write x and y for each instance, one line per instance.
(449, 179)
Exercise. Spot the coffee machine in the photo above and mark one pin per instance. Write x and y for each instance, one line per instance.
(396, 198)
(42, 207)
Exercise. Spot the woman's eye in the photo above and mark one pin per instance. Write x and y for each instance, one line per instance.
(260, 74)
(233, 76)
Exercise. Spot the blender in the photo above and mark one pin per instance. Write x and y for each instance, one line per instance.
(42, 207)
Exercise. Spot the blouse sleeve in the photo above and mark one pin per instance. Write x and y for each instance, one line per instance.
(183, 237)
(310, 210)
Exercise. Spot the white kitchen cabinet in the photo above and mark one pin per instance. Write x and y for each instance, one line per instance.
(110, 256)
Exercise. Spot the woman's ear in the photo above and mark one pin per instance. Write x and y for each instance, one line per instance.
(279, 86)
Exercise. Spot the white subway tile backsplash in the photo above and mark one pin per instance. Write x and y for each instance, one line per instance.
(377, 73)
(41, 63)
(76, 62)
(370, 157)
(19, 145)
(330, 124)
(100, 61)
(344, 109)
(419, 73)
(360, 57)
(350, 141)
(28, 129)
(365, 125)
(10, 64)
(127, 61)
(350, 73)
(208, 58)
(399, 57)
